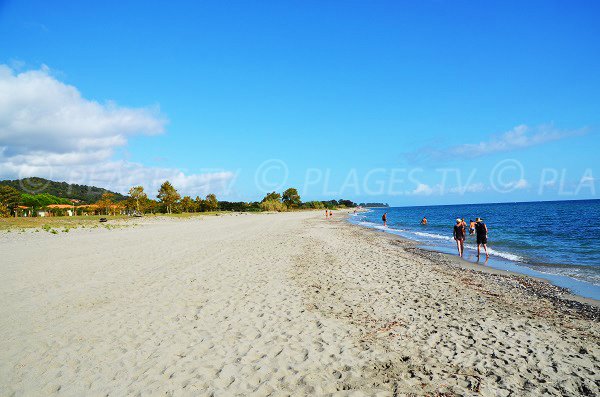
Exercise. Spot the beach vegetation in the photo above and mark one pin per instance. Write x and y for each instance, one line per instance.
(211, 203)
(291, 198)
(41, 200)
(28, 206)
(273, 205)
(273, 196)
(138, 195)
(313, 205)
(239, 206)
(4, 211)
(168, 196)
(188, 205)
(105, 203)
(10, 198)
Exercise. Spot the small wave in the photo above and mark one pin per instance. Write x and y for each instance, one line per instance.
(506, 255)
(378, 226)
(432, 235)
(501, 254)
(491, 251)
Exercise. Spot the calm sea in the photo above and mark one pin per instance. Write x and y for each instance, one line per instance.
(558, 240)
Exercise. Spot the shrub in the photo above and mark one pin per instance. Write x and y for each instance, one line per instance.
(4, 211)
(315, 205)
(273, 205)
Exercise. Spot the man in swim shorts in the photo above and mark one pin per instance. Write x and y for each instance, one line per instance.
(384, 219)
(471, 226)
(481, 231)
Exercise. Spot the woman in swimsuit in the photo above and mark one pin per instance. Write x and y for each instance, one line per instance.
(459, 236)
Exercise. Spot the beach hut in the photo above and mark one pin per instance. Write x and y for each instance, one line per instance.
(87, 209)
(61, 209)
(23, 211)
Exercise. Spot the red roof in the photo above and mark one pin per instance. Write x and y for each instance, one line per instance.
(67, 206)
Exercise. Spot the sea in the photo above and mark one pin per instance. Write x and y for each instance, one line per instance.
(555, 240)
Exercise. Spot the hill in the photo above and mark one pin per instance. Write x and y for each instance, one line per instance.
(84, 193)
(374, 205)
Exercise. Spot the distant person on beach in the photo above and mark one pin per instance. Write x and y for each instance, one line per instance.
(330, 214)
(471, 226)
(482, 231)
(459, 236)
(424, 221)
(384, 219)
(326, 214)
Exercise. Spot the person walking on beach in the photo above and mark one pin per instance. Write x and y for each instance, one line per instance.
(459, 236)
(326, 214)
(482, 231)
(384, 219)
(330, 214)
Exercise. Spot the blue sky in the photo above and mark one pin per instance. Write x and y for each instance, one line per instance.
(371, 101)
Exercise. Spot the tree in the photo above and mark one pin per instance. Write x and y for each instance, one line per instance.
(316, 205)
(347, 203)
(273, 196)
(199, 204)
(149, 205)
(137, 193)
(188, 205)
(9, 197)
(31, 200)
(168, 195)
(105, 203)
(4, 211)
(291, 198)
(211, 203)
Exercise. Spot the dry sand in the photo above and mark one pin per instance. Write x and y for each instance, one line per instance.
(275, 304)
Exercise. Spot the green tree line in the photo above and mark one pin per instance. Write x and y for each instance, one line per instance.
(167, 200)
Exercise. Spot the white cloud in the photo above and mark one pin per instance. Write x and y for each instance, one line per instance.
(423, 189)
(516, 185)
(472, 188)
(48, 129)
(38, 112)
(519, 137)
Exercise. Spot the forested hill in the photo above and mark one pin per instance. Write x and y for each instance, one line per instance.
(87, 194)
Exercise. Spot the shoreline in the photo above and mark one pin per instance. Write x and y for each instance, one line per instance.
(537, 286)
(580, 290)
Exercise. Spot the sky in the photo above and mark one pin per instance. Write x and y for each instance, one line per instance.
(404, 102)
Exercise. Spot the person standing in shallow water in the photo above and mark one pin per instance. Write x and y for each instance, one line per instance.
(384, 219)
(481, 232)
(459, 236)
(471, 226)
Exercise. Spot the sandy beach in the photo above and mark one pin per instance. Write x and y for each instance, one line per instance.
(277, 304)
